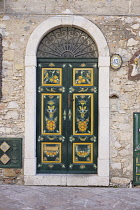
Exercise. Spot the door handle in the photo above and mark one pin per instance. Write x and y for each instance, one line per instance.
(69, 114)
(64, 114)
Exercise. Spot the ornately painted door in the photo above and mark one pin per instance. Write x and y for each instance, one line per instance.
(67, 116)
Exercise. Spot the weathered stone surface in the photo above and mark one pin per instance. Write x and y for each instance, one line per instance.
(13, 105)
(118, 180)
(132, 42)
(117, 144)
(9, 173)
(123, 37)
(2, 130)
(135, 26)
(5, 17)
(116, 165)
(11, 115)
(9, 54)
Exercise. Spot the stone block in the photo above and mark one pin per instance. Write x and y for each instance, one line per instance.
(117, 144)
(9, 173)
(11, 115)
(135, 26)
(124, 152)
(12, 105)
(120, 180)
(116, 165)
(9, 55)
(132, 42)
(2, 130)
(6, 17)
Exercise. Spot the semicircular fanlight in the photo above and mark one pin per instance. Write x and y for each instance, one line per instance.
(67, 42)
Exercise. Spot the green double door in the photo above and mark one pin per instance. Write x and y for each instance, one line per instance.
(67, 116)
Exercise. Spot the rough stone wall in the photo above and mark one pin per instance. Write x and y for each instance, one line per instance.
(123, 37)
(77, 6)
(122, 34)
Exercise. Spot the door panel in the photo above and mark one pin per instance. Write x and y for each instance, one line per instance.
(51, 114)
(83, 114)
(67, 116)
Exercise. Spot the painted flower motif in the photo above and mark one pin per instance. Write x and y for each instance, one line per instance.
(82, 153)
(82, 125)
(80, 80)
(82, 166)
(54, 79)
(51, 96)
(51, 154)
(51, 125)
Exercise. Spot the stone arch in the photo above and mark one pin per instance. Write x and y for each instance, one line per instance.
(30, 176)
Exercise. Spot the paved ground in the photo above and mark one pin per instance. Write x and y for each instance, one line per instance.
(13, 197)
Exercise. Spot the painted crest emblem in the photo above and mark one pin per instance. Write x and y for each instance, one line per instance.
(134, 67)
(116, 62)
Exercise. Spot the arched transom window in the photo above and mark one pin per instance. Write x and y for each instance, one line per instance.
(67, 42)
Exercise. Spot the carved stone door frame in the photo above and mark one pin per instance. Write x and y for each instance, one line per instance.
(30, 175)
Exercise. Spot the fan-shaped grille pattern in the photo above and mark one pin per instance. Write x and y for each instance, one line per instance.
(67, 42)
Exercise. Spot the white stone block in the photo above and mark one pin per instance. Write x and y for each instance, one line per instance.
(116, 165)
(87, 180)
(30, 60)
(103, 167)
(132, 42)
(104, 61)
(48, 179)
(11, 115)
(103, 138)
(103, 87)
(30, 133)
(67, 20)
(12, 105)
(30, 167)
(135, 26)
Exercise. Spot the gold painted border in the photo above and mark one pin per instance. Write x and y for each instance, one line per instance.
(91, 144)
(92, 116)
(92, 73)
(60, 84)
(60, 113)
(43, 161)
